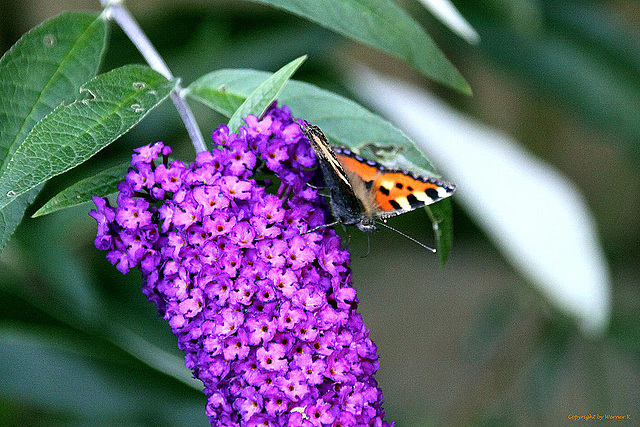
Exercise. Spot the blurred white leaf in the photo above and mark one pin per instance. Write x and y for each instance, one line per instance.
(447, 13)
(533, 213)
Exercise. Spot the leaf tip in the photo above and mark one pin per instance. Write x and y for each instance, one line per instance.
(39, 212)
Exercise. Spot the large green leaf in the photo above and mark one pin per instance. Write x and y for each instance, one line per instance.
(108, 106)
(381, 24)
(44, 68)
(100, 185)
(73, 296)
(262, 96)
(345, 123)
(581, 57)
(568, 73)
(87, 381)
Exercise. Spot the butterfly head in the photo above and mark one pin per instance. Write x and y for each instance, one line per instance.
(366, 224)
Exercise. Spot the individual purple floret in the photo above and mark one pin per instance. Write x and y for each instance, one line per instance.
(263, 309)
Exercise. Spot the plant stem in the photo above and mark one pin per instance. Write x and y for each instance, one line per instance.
(116, 11)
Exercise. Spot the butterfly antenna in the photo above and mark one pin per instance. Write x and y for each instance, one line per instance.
(348, 237)
(368, 247)
(315, 187)
(404, 235)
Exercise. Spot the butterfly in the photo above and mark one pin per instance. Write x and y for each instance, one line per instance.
(365, 193)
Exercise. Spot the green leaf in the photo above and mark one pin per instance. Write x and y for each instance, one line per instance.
(219, 99)
(567, 73)
(56, 355)
(381, 24)
(212, 90)
(84, 380)
(99, 185)
(12, 214)
(109, 105)
(345, 123)
(44, 68)
(262, 96)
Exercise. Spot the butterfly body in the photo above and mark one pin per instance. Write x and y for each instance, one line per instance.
(363, 191)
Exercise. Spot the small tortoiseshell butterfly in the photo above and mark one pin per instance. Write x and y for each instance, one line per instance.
(364, 191)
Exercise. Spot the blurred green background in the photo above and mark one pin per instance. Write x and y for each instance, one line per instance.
(472, 343)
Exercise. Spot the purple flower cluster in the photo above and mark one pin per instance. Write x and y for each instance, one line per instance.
(263, 309)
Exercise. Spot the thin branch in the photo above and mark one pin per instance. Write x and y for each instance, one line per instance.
(116, 11)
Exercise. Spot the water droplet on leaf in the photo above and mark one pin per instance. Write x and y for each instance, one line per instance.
(86, 95)
(382, 152)
(11, 193)
(49, 40)
(137, 108)
(139, 85)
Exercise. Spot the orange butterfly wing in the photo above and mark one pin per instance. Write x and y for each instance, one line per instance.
(367, 170)
(395, 191)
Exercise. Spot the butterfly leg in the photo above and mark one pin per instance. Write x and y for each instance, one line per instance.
(368, 246)
(348, 236)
